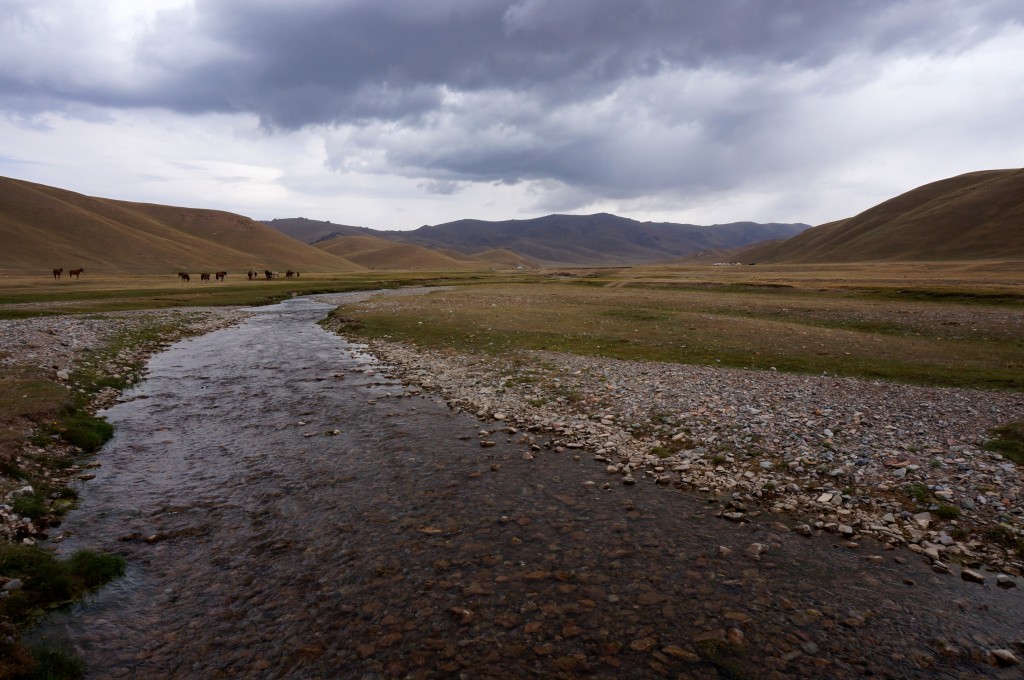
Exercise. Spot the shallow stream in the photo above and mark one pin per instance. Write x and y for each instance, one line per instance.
(262, 545)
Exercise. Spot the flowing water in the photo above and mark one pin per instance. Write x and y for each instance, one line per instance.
(261, 544)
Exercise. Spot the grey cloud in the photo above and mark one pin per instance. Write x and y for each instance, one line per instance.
(456, 91)
(325, 62)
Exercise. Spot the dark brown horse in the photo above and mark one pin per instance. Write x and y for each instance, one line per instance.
(252, 275)
(221, 275)
(185, 278)
(289, 274)
(205, 276)
(77, 273)
(58, 272)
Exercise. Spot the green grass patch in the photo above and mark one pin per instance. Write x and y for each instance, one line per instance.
(1005, 536)
(50, 582)
(919, 492)
(948, 512)
(31, 505)
(1008, 442)
(87, 432)
(50, 663)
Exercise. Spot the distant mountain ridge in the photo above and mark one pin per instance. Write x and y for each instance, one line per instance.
(601, 239)
(974, 216)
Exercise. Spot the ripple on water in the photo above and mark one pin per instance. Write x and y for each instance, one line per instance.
(261, 546)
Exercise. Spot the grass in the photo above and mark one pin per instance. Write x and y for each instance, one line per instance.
(120, 293)
(1008, 442)
(919, 492)
(50, 582)
(941, 344)
(53, 664)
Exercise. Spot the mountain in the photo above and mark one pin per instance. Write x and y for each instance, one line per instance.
(378, 253)
(43, 227)
(313, 231)
(976, 216)
(374, 252)
(600, 239)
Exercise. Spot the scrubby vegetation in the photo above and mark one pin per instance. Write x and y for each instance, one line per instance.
(1009, 441)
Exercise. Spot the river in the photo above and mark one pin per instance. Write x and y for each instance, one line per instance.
(289, 511)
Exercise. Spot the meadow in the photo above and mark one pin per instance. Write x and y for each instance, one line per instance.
(946, 324)
(953, 326)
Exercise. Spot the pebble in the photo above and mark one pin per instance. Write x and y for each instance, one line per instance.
(972, 576)
(748, 431)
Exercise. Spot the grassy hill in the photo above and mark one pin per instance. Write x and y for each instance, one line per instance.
(378, 253)
(45, 227)
(976, 216)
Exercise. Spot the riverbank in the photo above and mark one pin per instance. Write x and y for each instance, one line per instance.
(84, 358)
(848, 458)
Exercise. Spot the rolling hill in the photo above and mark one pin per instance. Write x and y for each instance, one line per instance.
(45, 227)
(374, 252)
(976, 216)
(378, 253)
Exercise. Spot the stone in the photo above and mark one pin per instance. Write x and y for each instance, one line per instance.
(972, 576)
(12, 585)
(1004, 581)
(1004, 657)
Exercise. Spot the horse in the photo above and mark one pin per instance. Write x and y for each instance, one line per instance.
(185, 278)
(269, 274)
(58, 272)
(204, 276)
(221, 275)
(77, 273)
(252, 275)
(288, 274)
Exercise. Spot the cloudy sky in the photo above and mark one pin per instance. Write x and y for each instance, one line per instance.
(396, 113)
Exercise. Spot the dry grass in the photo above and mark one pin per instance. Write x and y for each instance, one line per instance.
(854, 325)
(33, 295)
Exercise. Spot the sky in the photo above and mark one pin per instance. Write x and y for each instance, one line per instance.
(393, 114)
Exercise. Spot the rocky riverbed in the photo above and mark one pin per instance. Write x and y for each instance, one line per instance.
(849, 458)
(901, 464)
(58, 345)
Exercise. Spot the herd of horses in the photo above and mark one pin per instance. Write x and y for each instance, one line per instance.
(252, 274)
(77, 273)
(185, 278)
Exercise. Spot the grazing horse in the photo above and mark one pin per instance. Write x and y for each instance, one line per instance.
(204, 276)
(77, 273)
(269, 274)
(221, 275)
(289, 274)
(251, 274)
(58, 272)
(184, 277)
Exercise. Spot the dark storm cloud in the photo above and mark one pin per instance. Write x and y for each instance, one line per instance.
(615, 96)
(305, 62)
(325, 62)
